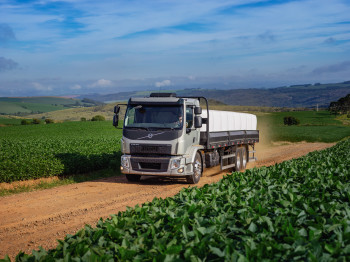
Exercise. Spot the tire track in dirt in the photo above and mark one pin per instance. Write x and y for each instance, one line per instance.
(38, 218)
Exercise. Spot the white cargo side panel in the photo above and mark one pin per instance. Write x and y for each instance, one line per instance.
(228, 121)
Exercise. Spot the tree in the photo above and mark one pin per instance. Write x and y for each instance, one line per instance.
(98, 118)
(25, 122)
(342, 106)
(291, 120)
(36, 121)
(49, 121)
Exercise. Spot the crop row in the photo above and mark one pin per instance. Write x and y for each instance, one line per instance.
(296, 210)
(29, 152)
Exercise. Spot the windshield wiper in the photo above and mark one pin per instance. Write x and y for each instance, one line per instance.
(172, 128)
(139, 127)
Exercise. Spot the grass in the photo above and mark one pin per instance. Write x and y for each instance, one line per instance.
(10, 189)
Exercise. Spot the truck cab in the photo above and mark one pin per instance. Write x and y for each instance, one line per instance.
(161, 135)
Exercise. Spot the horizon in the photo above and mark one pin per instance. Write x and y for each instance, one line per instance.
(79, 96)
(77, 47)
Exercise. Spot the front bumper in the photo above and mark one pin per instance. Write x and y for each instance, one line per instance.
(155, 166)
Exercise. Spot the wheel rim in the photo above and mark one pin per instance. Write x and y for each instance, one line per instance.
(244, 159)
(238, 161)
(197, 167)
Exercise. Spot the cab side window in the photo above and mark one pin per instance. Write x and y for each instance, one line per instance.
(189, 117)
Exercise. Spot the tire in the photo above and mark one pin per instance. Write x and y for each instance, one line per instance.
(238, 160)
(197, 170)
(244, 158)
(133, 178)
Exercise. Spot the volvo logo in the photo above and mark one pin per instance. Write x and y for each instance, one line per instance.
(150, 135)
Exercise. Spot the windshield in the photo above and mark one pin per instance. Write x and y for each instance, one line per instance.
(152, 116)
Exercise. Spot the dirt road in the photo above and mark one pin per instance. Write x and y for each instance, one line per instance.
(34, 219)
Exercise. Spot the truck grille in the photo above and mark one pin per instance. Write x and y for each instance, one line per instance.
(149, 164)
(150, 149)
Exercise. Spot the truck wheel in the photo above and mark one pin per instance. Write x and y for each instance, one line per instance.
(238, 160)
(244, 158)
(133, 178)
(197, 170)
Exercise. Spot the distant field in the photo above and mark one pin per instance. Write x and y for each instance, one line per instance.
(27, 105)
(75, 114)
(9, 108)
(19, 107)
(9, 121)
(314, 127)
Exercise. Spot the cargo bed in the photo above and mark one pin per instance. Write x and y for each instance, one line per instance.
(229, 138)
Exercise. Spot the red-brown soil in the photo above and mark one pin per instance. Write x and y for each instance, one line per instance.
(30, 220)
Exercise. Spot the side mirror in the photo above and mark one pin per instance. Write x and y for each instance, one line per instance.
(115, 120)
(116, 110)
(197, 121)
(197, 110)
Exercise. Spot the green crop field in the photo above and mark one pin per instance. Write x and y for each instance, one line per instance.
(298, 210)
(68, 148)
(314, 127)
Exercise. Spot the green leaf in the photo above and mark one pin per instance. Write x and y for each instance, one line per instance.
(217, 251)
(252, 227)
(329, 248)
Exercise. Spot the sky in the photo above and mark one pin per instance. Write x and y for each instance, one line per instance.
(86, 46)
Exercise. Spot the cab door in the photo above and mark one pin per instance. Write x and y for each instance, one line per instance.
(191, 134)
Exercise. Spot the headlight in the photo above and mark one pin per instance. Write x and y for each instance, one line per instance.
(124, 162)
(175, 163)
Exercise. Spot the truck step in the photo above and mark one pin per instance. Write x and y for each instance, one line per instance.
(252, 159)
(252, 151)
(228, 156)
(222, 167)
(228, 166)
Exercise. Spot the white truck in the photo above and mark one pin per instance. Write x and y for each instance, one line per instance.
(168, 135)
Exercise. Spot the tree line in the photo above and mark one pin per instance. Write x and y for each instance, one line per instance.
(342, 106)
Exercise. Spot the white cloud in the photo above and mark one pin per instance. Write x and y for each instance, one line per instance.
(191, 77)
(76, 87)
(101, 83)
(40, 87)
(163, 83)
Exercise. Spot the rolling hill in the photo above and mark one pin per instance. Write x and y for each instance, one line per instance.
(305, 95)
